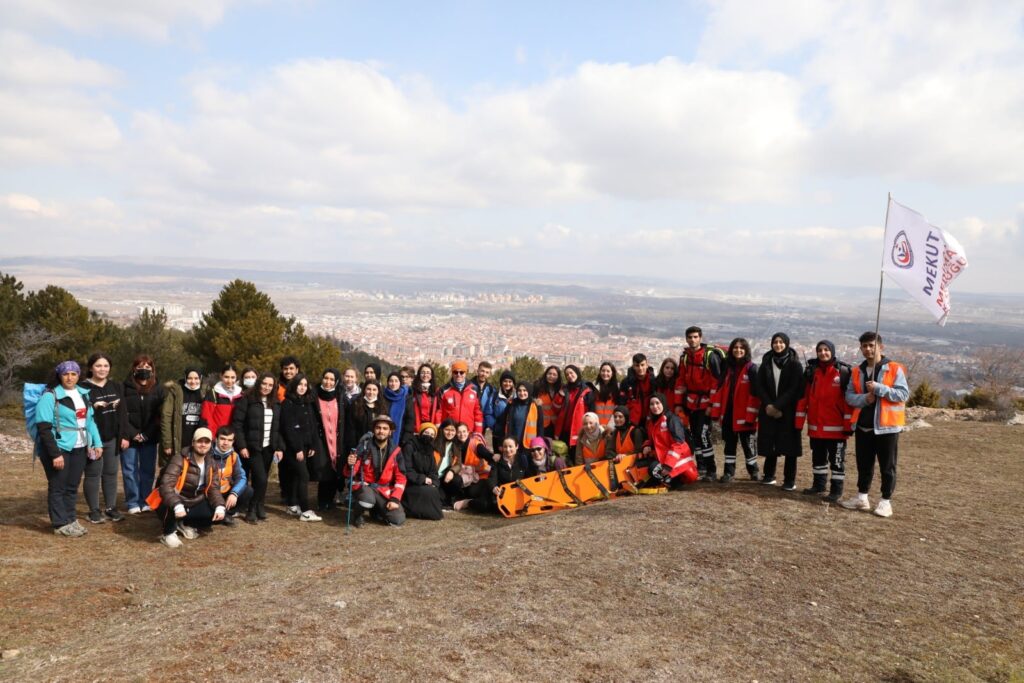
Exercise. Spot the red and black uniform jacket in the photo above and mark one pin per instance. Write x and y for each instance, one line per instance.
(824, 403)
(735, 398)
(462, 406)
(579, 400)
(636, 393)
(378, 469)
(700, 371)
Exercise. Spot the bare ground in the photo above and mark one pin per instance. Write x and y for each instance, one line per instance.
(738, 582)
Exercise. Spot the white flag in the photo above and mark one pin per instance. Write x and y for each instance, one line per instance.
(922, 258)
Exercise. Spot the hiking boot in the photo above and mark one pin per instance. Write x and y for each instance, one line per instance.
(357, 520)
(856, 503)
(187, 532)
(884, 508)
(171, 540)
(812, 491)
(726, 478)
(833, 497)
(229, 520)
(711, 477)
(68, 530)
(96, 517)
(754, 473)
(310, 516)
(261, 512)
(250, 515)
(113, 515)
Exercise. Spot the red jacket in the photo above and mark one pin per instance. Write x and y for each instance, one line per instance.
(637, 393)
(699, 372)
(828, 414)
(737, 390)
(667, 437)
(427, 408)
(578, 401)
(219, 408)
(390, 480)
(462, 406)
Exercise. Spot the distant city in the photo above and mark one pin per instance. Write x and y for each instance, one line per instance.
(439, 315)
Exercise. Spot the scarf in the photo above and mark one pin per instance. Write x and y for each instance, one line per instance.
(325, 395)
(396, 409)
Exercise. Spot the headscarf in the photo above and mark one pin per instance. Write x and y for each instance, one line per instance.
(780, 359)
(68, 366)
(831, 347)
(332, 394)
(396, 407)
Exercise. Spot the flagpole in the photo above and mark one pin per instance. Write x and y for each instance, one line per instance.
(881, 265)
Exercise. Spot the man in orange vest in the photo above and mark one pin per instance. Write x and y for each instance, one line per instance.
(188, 494)
(234, 484)
(878, 393)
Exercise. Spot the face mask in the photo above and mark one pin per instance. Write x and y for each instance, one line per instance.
(143, 374)
(249, 382)
(425, 386)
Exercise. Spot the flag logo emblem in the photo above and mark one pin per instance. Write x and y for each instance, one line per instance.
(902, 254)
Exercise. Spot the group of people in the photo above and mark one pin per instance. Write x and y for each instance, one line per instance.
(406, 446)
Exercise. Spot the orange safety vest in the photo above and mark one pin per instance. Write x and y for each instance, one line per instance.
(624, 444)
(532, 427)
(891, 413)
(153, 500)
(589, 455)
(551, 405)
(605, 410)
(227, 471)
(481, 465)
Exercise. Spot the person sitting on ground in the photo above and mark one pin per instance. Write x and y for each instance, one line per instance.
(505, 471)
(378, 483)
(422, 498)
(591, 442)
(673, 463)
(234, 484)
(476, 460)
(541, 458)
(188, 495)
(449, 462)
(624, 438)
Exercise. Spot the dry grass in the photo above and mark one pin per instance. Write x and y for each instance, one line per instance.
(716, 582)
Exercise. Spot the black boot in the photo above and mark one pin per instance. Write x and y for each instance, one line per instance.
(250, 514)
(753, 472)
(836, 492)
(818, 486)
(261, 512)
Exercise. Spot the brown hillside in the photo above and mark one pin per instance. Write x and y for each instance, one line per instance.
(718, 582)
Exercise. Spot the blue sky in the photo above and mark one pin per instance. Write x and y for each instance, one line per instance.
(721, 140)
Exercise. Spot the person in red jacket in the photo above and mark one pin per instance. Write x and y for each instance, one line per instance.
(379, 480)
(636, 389)
(736, 405)
(828, 418)
(460, 400)
(426, 404)
(219, 405)
(577, 400)
(666, 443)
(700, 372)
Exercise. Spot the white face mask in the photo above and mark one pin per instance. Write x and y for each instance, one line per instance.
(249, 382)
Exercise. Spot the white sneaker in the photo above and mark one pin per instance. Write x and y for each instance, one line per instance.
(171, 540)
(856, 503)
(884, 508)
(146, 508)
(293, 510)
(134, 510)
(188, 532)
(310, 516)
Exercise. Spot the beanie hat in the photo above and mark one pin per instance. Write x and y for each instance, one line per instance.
(460, 365)
(68, 366)
(424, 426)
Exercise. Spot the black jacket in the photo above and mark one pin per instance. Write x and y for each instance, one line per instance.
(299, 426)
(502, 473)
(110, 417)
(142, 412)
(418, 456)
(249, 425)
(779, 434)
(340, 427)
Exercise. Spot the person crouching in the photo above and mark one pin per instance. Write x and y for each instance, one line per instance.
(188, 495)
(234, 485)
(379, 480)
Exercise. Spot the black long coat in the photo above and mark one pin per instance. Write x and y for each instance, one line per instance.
(779, 435)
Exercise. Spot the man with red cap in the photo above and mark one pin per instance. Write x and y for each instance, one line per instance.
(460, 400)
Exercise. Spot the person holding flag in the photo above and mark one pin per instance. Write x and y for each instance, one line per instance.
(878, 393)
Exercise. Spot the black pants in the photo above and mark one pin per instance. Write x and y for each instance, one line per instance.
(257, 468)
(828, 454)
(371, 499)
(62, 486)
(285, 475)
(746, 440)
(244, 499)
(327, 486)
(103, 470)
(788, 470)
(881, 447)
(199, 516)
(699, 435)
(297, 474)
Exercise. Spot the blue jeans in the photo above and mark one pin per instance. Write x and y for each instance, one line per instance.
(138, 469)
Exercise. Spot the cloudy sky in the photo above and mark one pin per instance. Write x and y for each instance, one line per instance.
(719, 140)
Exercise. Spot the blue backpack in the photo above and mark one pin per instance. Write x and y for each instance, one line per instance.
(30, 397)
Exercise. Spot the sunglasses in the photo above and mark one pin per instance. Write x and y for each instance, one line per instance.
(458, 372)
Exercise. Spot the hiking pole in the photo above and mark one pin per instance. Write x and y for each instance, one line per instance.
(348, 507)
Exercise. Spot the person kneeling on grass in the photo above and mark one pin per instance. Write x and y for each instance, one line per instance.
(505, 471)
(379, 478)
(234, 485)
(188, 495)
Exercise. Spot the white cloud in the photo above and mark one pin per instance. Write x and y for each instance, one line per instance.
(47, 110)
(151, 19)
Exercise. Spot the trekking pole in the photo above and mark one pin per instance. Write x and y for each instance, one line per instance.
(348, 507)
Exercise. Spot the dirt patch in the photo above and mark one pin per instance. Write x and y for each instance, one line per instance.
(716, 582)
